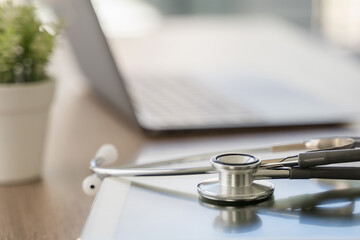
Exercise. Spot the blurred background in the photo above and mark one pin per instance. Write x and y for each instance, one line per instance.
(297, 42)
(335, 20)
(311, 46)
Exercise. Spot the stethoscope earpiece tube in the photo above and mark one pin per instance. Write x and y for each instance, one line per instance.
(352, 173)
(312, 159)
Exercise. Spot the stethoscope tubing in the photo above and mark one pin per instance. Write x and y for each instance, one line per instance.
(236, 172)
(282, 173)
(305, 161)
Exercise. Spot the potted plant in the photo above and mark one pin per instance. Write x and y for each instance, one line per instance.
(26, 91)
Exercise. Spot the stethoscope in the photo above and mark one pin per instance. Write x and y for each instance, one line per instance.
(241, 176)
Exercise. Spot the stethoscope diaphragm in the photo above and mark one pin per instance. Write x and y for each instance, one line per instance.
(236, 180)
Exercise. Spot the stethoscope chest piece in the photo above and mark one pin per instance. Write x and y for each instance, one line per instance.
(236, 180)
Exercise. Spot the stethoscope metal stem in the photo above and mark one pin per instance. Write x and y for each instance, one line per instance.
(125, 172)
(272, 174)
(317, 144)
(137, 172)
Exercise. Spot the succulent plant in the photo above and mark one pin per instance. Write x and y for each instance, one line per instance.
(25, 44)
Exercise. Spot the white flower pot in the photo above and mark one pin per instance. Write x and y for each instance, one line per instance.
(23, 121)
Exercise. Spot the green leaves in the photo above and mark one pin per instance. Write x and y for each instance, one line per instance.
(25, 45)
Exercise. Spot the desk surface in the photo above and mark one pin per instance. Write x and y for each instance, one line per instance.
(55, 207)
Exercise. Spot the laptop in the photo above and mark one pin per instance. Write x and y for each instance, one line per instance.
(158, 102)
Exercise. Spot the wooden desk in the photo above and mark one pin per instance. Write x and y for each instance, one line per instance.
(56, 207)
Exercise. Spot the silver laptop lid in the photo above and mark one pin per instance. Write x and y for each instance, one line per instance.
(85, 35)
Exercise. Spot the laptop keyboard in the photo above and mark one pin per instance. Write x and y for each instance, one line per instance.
(180, 103)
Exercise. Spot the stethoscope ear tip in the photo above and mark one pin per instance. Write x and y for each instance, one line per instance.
(108, 153)
(91, 185)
